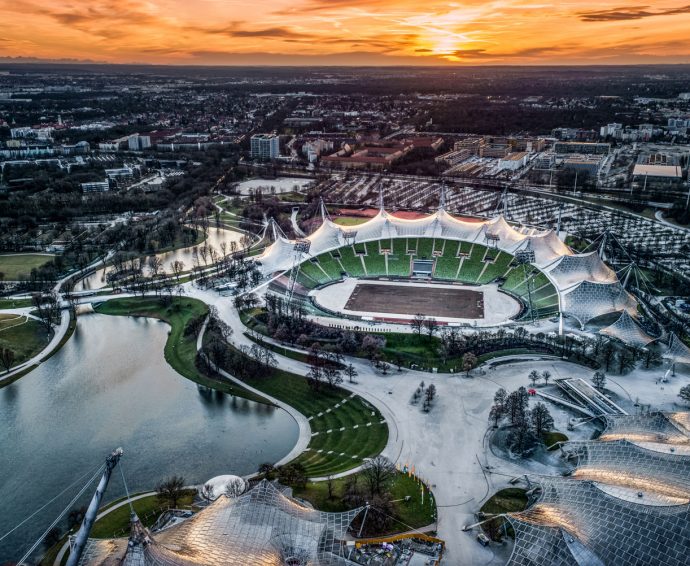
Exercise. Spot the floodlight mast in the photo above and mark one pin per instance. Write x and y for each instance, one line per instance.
(525, 257)
(300, 247)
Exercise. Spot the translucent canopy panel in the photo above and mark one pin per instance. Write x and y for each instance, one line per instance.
(588, 300)
(627, 330)
(677, 351)
(648, 427)
(575, 522)
(547, 248)
(263, 527)
(664, 476)
(572, 269)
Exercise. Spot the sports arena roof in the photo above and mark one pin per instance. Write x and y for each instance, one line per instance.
(588, 300)
(624, 504)
(587, 286)
(263, 527)
(627, 330)
(576, 523)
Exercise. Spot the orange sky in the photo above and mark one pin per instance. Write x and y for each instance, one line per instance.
(358, 32)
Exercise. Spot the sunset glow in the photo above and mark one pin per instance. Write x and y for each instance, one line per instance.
(375, 32)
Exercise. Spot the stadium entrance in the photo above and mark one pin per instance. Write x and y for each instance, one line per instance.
(422, 268)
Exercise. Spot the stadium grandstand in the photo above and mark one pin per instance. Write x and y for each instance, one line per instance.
(439, 247)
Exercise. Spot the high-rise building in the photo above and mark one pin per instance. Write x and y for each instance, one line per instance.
(265, 146)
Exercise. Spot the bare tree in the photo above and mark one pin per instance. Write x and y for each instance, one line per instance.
(47, 307)
(235, 487)
(171, 490)
(207, 492)
(469, 361)
(177, 268)
(377, 473)
(431, 326)
(417, 323)
(351, 373)
(7, 358)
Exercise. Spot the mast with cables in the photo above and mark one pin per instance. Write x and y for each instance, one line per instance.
(77, 548)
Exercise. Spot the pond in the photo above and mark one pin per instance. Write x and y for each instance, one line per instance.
(216, 236)
(110, 386)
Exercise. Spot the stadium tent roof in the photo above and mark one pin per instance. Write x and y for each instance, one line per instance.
(648, 427)
(576, 523)
(263, 527)
(588, 300)
(586, 286)
(279, 256)
(662, 476)
(547, 248)
(627, 330)
(677, 351)
(570, 270)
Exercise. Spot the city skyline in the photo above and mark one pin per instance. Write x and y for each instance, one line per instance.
(334, 32)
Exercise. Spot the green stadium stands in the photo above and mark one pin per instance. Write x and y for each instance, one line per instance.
(446, 267)
(374, 261)
(330, 265)
(472, 268)
(398, 265)
(350, 262)
(314, 272)
(411, 245)
(425, 248)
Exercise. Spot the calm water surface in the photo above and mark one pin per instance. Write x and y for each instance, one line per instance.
(110, 386)
(215, 237)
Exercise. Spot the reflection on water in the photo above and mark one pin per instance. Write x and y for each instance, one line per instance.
(216, 236)
(110, 386)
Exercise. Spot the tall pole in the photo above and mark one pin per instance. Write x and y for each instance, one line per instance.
(90, 516)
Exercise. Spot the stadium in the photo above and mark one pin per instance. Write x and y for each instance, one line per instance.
(459, 271)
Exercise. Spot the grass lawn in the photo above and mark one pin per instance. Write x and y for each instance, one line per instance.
(17, 267)
(507, 500)
(15, 303)
(409, 514)
(26, 337)
(550, 438)
(337, 450)
(350, 220)
(338, 446)
(180, 350)
(148, 509)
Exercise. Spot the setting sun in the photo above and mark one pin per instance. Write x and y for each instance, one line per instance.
(375, 32)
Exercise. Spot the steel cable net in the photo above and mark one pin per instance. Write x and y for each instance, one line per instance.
(261, 527)
(648, 427)
(619, 507)
(633, 472)
(575, 522)
(572, 269)
(589, 300)
(678, 351)
(627, 330)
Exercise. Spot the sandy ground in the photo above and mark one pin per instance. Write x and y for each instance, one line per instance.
(499, 308)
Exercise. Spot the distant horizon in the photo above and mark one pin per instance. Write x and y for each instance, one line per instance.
(348, 32)
(86, 62)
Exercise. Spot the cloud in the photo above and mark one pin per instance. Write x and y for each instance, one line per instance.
(629, 13)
